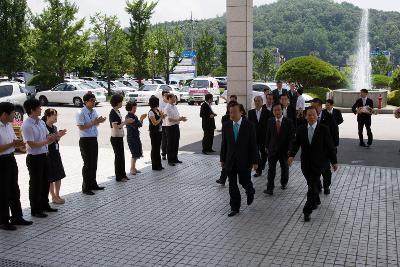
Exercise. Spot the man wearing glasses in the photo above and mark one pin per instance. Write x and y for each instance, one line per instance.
(87, 122)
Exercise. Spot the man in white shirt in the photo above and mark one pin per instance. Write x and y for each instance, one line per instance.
(162, 105)
(9, 189)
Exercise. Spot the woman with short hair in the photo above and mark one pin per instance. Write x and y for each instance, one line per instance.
(155, 121)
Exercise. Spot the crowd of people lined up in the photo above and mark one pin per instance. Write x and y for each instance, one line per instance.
(273, 131)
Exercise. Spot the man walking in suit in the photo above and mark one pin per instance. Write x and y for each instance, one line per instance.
(279, 91)
(288, 111)
(326, 119)
(317, 153)
(269, 103)
(279, 138)
(292, 94)
(208, 124)
(239, 155)
(259, 117)
(363, 109)
(336, 114)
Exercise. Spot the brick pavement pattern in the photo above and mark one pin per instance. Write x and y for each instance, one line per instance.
(178, 217)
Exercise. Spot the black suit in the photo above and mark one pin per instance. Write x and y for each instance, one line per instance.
(238, 156)
(277, 96)
(363, 119)
(337, 116)
(208, 125)
(278, 146)
(292, 98)
(291, 114)
(261, 131)
(315, 158)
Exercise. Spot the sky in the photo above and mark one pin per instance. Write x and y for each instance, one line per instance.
(168, 10)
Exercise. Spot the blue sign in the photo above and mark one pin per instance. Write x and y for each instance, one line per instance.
(189, 54)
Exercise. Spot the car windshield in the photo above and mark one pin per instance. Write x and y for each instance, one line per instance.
(149, 87)
(199, 84)
(85, 86)
(94, 85)
(184, 89)
(119, 84)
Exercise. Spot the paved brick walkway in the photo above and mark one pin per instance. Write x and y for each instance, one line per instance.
(179, 218)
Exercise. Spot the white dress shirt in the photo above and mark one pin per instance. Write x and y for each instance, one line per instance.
(239, 122)
(258, 114)
(7, 136)
(161, 108)
(301, 103)
(172, 113)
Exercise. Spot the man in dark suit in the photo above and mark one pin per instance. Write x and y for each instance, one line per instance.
(279, 91)
(239, 154)
(317, 153)
(363, 109)
(279, 138)
(270, 101)
(288, 111)
(259, 117)
(337, 114)
(292, 94)
(326, 119)
(208, 124)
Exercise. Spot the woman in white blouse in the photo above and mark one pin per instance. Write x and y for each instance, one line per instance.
(300, 107)
(172, 121)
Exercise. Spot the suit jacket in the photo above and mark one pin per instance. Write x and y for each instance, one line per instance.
(260, 125)
(292, 115)
(276, 95)
(337, 116)
(315, 157)
(328, 120)
(243, 153)
(279, 144)
(207, 123)
(293, 98)
(359, 104)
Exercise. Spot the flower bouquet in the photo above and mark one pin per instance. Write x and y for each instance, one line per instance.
(397, 113)
(17, 129)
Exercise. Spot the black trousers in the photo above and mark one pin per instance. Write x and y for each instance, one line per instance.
(367, 124)
(312, 193)
(39, 183)
(224, 175)
(155, 139)
(164, 141)
(9, 189)
(326, 179)
(119, 160)
(173, 136)
(263, 158)
(208, 140)
(234, 192)
(89, 151)
(272, 160)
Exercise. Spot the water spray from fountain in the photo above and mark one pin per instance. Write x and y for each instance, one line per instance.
(363, 68)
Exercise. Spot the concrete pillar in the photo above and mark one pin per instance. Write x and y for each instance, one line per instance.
(239, 27)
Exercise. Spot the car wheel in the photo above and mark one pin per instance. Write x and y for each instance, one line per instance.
(191, 103)
(19, 114)
(78, 102)
(217, 101)
(43, 101)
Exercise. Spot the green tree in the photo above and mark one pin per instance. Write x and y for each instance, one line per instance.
(169, 44)
(111, 47)
(395, 83)
(311, 71)
(140, 12)
(381, 81)
(264, 65)
(206, 53)
(380, 65)
(13, 29)
(58, 42)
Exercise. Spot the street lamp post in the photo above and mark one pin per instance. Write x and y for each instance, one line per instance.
(155, 52)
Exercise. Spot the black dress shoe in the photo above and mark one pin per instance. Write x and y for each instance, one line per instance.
(178, 161)
(283, 187)
(233, 213)
(21, 221)
(39, 215)
(204, 152)
(98, 188)
(219, 181)
(89, 193)
(327, 191)
(250, 199)
(8, 227)
(307, 217)
(164, 158)
(257, 175)
(171, 164)
(158, 169)
(268, 192)
(363, 144)
(212, 151)
(314, 207)
(50, 209)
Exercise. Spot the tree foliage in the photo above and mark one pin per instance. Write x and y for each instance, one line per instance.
(380, 81)
(395, 83)
(206, 53)
(264, 65)
(381, 65)
(311, 71)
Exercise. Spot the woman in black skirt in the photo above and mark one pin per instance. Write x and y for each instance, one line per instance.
(155, 122)
(117, 137)
(133, 135)
(56, 168)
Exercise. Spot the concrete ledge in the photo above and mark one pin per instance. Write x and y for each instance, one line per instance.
(386, 110)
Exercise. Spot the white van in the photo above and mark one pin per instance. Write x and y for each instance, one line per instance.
(201, 86)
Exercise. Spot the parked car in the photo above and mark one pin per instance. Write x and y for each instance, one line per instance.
(201, 86)
(130, 83)
(14, 93)
(148, 90)
(120, 88)
(184, 94)
(88, 78)
(70, 93)
(95, 85)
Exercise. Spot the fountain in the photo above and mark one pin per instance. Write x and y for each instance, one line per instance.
(362, 71)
